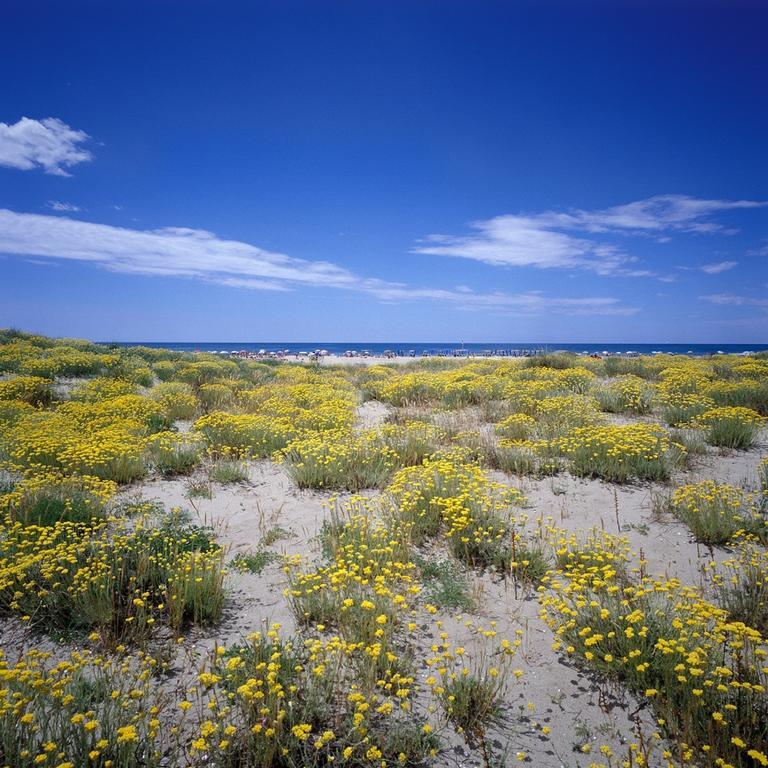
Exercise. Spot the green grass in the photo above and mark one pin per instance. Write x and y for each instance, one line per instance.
(532, 561)
(174, 458)
(731, 433)
(745, 595)
(199, 488)
(229, 471)
(64, 500)
(715, 521)
(275, 533)
(692, 440)
(445, 583)
(47, 509)
(254, 562)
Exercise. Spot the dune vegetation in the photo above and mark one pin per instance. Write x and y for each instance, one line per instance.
(500, 527)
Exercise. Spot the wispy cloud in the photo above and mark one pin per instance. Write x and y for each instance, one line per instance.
(734, 300)
(554, 239)
(717, 267)
(49, 144)
(60, 207)
(195, 253)
(530, 303)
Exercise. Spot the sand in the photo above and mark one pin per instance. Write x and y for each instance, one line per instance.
(577, 705)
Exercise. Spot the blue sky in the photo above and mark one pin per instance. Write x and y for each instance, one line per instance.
(360, 171)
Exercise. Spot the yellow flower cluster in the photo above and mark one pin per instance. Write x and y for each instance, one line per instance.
(272, 702)
(50, 497)
(45, 440)
(716, 512)
(732, 414)
(618, 452)
(474, 383)
(277, 414)
(518, 426)
(367, 586)
(102, 388)
(558, 415)
(705, 673)
(86, 709)
(731, 426)
(626, 394)
(34, 390)
(447, 495)
(111, 577)
(174, 453)
(680, 408)
(339, 459)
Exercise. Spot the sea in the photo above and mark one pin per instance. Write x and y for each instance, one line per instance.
(422, 348)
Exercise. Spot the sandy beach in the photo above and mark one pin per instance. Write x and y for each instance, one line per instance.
(445, 506)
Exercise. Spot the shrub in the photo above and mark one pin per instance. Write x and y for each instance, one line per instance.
(411, 442)
(339, 460)
(117, 580)
(524, 458)
(109, 450)
(558, 415)
(471, 692)
(109, 411)
(679, 409)
(229, 471)
(625, 394)
(715, 512)
(176, 399)
(744, 393)
(444, 495)
(409, 389)
(518, 426)
(174, 453)
(12, 410)
(364, 589)
(288, 703)
(94, 710)
(94, 390)
(531, 561)
(555, 360)
(34, 390)
(740, 584)
(703, 674)
(729, 427)
(692, 441)
(244, 435)
(618, 453)
(49, 498)
(215, 397)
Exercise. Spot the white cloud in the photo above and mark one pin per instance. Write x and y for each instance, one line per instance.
(195, 253)
(526, 241)
(60, 207)
(662, 213)
(49, 144)
(530, 303)
(719, 266)
(546, 240)
(733, 300)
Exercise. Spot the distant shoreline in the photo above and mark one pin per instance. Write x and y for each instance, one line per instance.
(409, 351)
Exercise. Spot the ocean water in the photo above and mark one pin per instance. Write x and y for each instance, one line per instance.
(438, 348)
